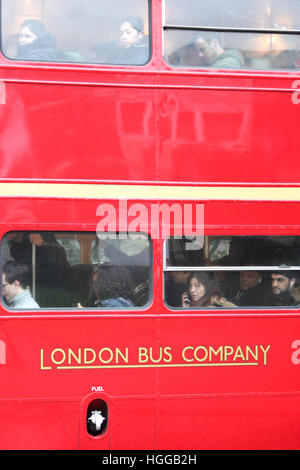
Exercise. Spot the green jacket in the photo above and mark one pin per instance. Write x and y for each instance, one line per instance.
(230, 59)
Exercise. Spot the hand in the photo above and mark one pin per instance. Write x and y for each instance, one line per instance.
(185, 300)
(36, 239)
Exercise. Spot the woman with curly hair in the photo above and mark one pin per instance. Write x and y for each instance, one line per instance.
(111, 286)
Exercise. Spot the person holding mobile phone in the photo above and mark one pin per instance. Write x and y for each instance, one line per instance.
(202, 292)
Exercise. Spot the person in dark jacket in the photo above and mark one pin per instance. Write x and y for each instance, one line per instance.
(134, 44)
(35, 43)
(282, 283)
(176, 283)
(252, 291)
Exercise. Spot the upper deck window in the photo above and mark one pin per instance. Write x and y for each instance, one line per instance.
(232, 34)
(87, 31)
(232, 271)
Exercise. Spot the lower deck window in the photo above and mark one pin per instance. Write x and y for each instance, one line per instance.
(75, 270)
(233, 272)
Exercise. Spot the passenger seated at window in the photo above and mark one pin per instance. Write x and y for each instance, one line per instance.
(202, 292)
(15, 282)
(257, 60)
(177, 282)
(252, 291)
(226, 282)
(284, 60)
(137, 266)
(208, 53)
(53, 272)
(35, 43)
(134, 44)
(111, 287)
(283, 283)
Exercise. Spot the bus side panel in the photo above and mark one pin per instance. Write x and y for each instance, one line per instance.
(145, 133)
(223, 136)
(217, 423)
(134, 422)
(236, 384)
(55, 368)
(39, 424)
(112, 127)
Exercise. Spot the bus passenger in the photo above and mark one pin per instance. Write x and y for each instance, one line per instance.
(111, 286)
(214, 55)
(134, 44)
(202, 292)
(251, 291)
(207, 53)
(53, 272)
(282, 284)
(285, 59)
(15, 280)
(176, 283)
(35, 43)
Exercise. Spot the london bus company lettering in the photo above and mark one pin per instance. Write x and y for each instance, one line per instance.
(147, 357)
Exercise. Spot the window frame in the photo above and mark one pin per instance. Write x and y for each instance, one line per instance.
(217, 29)
(38, 312)
(211, 309)
(81, 64)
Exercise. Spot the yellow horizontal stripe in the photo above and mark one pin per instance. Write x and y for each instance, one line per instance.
(148, 191)
(145, 366)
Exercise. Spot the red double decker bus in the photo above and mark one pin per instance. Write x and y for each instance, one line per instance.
(150, 237)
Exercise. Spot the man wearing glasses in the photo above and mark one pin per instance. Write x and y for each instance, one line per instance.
(15, 280)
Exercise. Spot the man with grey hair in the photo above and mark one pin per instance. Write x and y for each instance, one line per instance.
(211, 52)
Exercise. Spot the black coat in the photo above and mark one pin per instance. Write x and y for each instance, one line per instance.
(255, 296)
(42, 49)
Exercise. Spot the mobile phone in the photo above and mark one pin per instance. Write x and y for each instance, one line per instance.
(188, 297)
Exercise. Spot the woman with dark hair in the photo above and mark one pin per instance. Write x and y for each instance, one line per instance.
(202, 292)
(35, 43)
(111, 286)
(134, 44)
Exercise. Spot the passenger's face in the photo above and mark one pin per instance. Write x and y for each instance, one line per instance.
(206, 50)
(280, 283)
(26, 36)
(9, 290)
(196, 289)
(249, 279)
(129, 35)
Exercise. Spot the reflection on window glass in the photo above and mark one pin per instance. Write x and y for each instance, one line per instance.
(222, 48)
(72, 248)
(93, 31)
(233, 271)
(232, 50)
(57, 270)
(257, 14)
